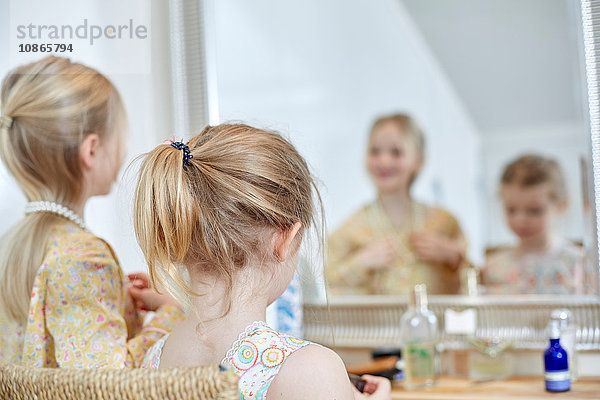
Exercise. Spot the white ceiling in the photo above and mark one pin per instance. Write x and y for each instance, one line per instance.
(514, 63)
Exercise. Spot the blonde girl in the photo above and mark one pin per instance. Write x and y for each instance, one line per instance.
(63, 295)
(229, 210)
(534, 196)
(395, 242)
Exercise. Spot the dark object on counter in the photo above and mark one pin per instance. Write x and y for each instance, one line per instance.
(381, 366)
(373, 367)
(394, 373)
(358, 382)
(386, 352)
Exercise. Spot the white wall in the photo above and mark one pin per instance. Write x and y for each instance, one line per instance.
(322, 71)
(139, 69)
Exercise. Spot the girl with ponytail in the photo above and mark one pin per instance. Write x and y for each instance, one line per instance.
(63, 295)
(220, 221)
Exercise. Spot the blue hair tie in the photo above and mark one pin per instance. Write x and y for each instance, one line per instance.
(186, 153)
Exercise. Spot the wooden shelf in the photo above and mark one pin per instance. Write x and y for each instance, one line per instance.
(528, 388)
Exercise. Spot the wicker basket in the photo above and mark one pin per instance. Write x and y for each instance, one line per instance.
(198, 383)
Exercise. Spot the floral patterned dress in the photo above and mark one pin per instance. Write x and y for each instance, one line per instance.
(560, 270)
(371, 224)
(80, 315)
(256, 359)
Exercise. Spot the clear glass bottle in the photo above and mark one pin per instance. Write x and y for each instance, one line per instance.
(490, 361)
(419, 336)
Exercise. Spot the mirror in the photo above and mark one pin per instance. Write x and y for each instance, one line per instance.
(486, 81)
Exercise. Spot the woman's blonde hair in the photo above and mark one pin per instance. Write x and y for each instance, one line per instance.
(52, 105)
(532, 170)
(241, 183)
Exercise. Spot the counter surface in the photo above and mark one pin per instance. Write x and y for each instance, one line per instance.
(529, 388)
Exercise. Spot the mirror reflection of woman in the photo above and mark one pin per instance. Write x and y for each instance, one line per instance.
(396, 242)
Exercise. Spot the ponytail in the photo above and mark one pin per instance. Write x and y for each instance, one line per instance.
(164, 214)
(212, 212)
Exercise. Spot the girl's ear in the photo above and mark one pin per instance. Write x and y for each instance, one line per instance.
(88, 150)
(284, 241)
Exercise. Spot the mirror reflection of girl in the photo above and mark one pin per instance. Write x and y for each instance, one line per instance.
(63, 295)
(534, 195)
(396, 242)
(231, 208)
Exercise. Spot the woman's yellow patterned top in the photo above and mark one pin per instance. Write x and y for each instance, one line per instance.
(371, 224)
(80, 314)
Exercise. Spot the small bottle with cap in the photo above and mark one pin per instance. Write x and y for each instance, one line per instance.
(556, 363)
(419, 335)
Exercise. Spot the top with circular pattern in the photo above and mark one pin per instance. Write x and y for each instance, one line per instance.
(256, 360)
(259, 358)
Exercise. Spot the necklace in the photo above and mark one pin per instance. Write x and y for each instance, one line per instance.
(399, 239)
(400, 235)
(54, 208)
(236, 345)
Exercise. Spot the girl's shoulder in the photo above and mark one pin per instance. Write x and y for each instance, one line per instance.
(266, 346)
(70, 246)
(69, 234)
(437, 219)
(500, 255)
(357, 224)
(569, 248)
(258, 358)
(433, 211)
(288, 367)
(314, 372)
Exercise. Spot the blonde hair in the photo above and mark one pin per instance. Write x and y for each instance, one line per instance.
(532, 170)
(408, 127)
(213, 213)
(53, 104)
(405, 124)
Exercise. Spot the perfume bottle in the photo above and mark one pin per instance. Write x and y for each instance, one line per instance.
(418, 336)
(556, 363)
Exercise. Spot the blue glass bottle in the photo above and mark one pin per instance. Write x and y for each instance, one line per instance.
(556, 364)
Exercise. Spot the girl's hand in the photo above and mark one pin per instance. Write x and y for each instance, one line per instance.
(140, 280)
(377, 387)
(438, 249)
(146, 298)
(149, 300)
(376, 255)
